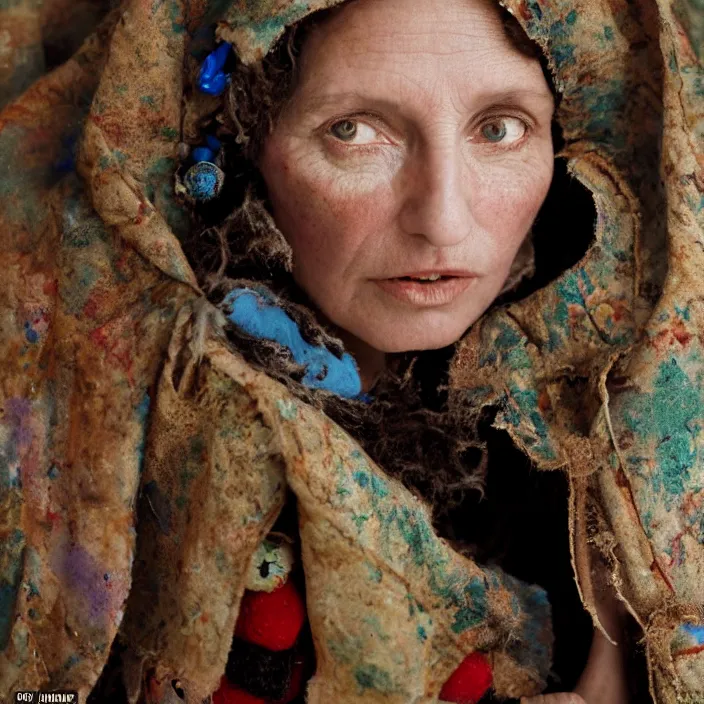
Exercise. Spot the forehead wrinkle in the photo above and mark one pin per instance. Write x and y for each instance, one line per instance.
(401, 97)
(435, 44)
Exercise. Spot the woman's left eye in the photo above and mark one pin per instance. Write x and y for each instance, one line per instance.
(503, 130)
(353, 132)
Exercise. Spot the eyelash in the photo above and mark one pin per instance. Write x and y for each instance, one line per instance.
(371, 118)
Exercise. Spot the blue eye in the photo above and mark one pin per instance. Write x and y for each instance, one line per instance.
(494, 131)
(504, 130)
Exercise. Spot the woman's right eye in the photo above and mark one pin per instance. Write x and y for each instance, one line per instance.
(354, 132)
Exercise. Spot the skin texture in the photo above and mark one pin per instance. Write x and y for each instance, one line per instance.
(424, 87)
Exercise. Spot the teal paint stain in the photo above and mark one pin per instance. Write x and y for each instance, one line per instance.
(699, 87)
(374, 573)
(370, 676)
(359, 520)
(609, 33)
(512, 347)
(362, 479)
(684, 313)
(419, 537)
(535, 10)
(672, 62)
(176, 17)
(88, 275)
(522, 405)
(422, 634)
(465, 597)
(169, 133)
(673, 416)
(53, 472)
(559, 33)
(476, 608)
(366, 480)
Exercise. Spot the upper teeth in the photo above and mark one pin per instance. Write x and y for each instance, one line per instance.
(432, 277)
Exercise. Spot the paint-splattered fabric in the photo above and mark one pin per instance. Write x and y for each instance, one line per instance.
(602, 372)
(143, 461)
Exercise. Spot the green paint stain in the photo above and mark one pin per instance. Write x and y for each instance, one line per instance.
(370, 676)
(673, 416)
(375, 574)
(287, 409)
(379, 487)
(359, 520)
(475, 610)
(220, 561)
(169, 133)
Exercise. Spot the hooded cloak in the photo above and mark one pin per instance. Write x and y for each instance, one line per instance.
(143, 460)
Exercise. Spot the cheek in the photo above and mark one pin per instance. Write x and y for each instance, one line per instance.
(507, 200)
(325, 213)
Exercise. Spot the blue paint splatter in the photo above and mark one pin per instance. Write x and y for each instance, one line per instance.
(30, 333)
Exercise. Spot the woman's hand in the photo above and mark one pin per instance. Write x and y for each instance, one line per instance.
(604, 678)
(602, 682)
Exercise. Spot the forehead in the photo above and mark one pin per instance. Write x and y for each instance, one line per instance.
(411, 45)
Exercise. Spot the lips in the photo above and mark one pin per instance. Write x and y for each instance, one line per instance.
(427, 289)
(435, 274)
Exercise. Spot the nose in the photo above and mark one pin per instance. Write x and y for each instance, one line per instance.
(436, 197)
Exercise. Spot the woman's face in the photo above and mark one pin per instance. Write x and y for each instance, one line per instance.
(417, 145)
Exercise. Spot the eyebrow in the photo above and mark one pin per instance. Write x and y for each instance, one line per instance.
(501, 97)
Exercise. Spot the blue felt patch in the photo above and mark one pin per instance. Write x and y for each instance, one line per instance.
(211, 78)
(256, 313)
(695, 633)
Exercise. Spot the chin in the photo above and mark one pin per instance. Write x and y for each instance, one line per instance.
(416, 340)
